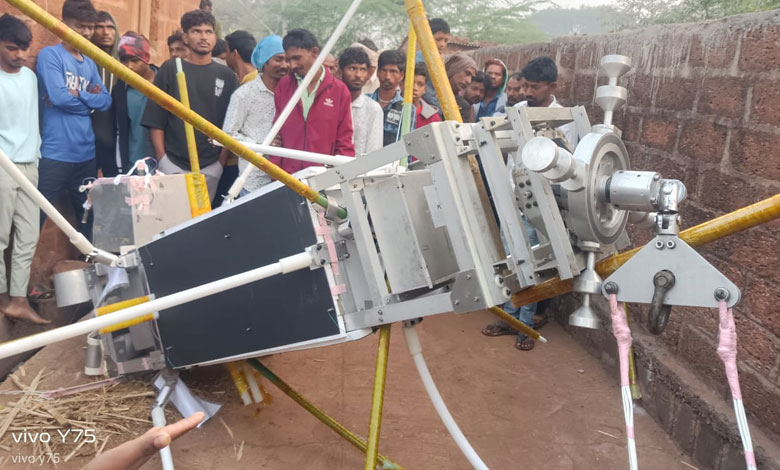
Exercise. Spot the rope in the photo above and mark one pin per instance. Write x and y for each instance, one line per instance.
(727, 350)
(623, 336)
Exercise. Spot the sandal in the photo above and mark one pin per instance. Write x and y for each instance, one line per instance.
(498, 329)
(523, 342)
(540, 321)
(40, 292)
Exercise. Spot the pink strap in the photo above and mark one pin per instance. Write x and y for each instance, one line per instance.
(727, 347)
(324, 231)
(750, 459)
(622, 334)
(630, 432)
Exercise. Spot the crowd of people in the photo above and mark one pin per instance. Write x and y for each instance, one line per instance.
(92, 123)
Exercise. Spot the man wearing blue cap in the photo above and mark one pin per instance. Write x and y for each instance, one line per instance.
(250, 114)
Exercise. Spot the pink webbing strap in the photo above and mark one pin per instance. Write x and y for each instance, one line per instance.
(324, 231)
(622, 334)
(727, 347)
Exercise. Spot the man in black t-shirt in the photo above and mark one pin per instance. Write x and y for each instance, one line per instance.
(209, 85)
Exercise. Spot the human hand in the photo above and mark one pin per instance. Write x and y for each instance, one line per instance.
(133, 454)
(74, 93)
(95, 89)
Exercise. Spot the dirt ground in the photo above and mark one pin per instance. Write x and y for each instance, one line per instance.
(553, 407)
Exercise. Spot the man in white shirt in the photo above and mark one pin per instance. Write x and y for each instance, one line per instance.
(21, 142)
(367, 115)
(250, 114)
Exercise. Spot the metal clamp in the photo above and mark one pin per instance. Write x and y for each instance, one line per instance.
(659, 312)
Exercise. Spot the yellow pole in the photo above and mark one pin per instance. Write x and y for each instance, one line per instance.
(636, 392)
(377, 400)
(337, 427)
(199, 189)
(517, 324)
(715, 229)
(416, 12)
(409, 76)
(57, 27)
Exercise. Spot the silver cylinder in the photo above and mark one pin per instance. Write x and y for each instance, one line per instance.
(71, 287)
(632, 190)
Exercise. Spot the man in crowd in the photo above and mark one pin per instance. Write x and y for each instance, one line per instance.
(322, 121)
(541, 81)
(460, 70)
(331, 64)
(209, 85)
(367, 116)
(135, 140)
(252, 109)
(390, 73)
(176, 46)
(208, 6)
(515, 89)
(241, 44)
(19, 140)
(105, 37)
(219, 53)
(369, 48)
(495, 98)
(475, 92)
(70, 89)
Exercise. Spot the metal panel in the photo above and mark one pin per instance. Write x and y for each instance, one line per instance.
(407, 310)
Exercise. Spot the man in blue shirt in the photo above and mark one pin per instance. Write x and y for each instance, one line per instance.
(495, 99)
(390, 72)
(70, 89)
(20, 141)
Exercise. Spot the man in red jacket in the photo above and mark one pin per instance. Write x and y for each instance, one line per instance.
(322, 120)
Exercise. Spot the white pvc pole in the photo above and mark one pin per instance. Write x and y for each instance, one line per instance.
(75, 237)
(415, 349)
(332, 160)
(241, 181)
(283, 266)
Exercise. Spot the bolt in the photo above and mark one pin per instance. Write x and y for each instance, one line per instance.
(476, 299)
(611, 287)
(227, 236)
(468, 276)
(322, 262)
(507, 292)
(528, 205)
(522, 185)
(379, 312)
(656, 177)
(671, 244)
(248, 330)
(457, 302)
(346, 255)
(528, 182)
(381, 320)
(427, 134)
(528, 194)
(659, 244)
(722, 294)
(535, 203)
(319, 247)
(492, 123)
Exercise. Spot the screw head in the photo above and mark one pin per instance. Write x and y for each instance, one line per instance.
(722, 293)
(659, 244)
(671, 244)
(476, 299)
(611, 287)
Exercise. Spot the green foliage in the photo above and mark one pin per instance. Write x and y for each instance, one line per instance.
(568, 21)
(383, 21)
(640, 13)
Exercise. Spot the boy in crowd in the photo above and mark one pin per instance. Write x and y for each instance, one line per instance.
(19, 140)
(475, 92)
(252, 109)
(105, 37)
(424, 112)
(367, 116)
(176, 46)
(441, 34)
(322, 121)
(515, 89)
(209, 85)
(219, 52)
(70, 89)
(390, 72)
(135, 140)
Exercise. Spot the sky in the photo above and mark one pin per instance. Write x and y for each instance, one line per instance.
(578, 3)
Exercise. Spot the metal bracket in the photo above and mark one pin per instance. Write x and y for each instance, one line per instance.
(466, 295)
(696, 280)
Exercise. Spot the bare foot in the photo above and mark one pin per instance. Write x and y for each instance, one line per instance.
(19, 309)
(133, 454)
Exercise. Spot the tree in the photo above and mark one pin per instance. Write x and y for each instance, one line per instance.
(641, 13)
(384, 21)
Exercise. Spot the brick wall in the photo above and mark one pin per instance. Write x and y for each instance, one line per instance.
(156, 19)
(703, 107)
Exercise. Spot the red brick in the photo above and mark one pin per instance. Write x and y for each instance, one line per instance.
(584, 88)
(762, 400)
(629, 124)
(723, 96)
(676, 93)
(766, 103)
(760, 49)
(563, 90)
(705, 319)
(640, 90)
(720, 55)
(726, 193)
(763, 299)
(659, 133)
(568, 56)
(755, 152)
(758, 253)
(755, 344)
(587, 56)
(703, 140)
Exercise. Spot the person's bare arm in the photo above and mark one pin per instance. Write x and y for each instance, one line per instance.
(223, 156)
(133, 454)
(158, 140)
